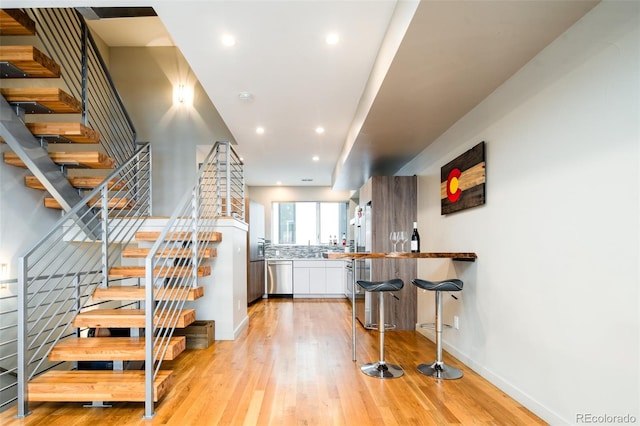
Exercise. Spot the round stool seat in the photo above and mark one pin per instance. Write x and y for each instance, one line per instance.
(446, 285)
(388, 285)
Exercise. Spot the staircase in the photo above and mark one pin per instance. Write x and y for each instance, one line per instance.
(49, 165)
(119, 384)
(95, 270)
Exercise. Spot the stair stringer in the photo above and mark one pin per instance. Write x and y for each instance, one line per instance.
(26, 146)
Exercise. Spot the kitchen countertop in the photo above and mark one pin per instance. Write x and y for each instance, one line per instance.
(304, 258)
(469, 257)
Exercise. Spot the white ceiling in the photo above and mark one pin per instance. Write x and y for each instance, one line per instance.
(395, 81)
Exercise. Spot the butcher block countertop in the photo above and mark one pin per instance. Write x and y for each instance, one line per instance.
(469, 257)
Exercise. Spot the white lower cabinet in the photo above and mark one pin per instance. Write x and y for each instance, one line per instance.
(301, 280)
(318, 278)
(335, 278)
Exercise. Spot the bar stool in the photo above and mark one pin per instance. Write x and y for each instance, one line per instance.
(381, 369)
(439, 369)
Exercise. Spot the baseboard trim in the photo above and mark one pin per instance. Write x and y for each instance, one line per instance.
(500, 382)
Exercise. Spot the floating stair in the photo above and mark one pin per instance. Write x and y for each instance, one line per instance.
(80, 182)
(84, 385)
(79, 386)
(129, 318)
(111, 348)
(40, 100)
(91, 160)
(64, 132)
(139, 293)
(26, 62)
(213, 237)
(179, 252)
(121, 203)
(16, 22)
(162, 271)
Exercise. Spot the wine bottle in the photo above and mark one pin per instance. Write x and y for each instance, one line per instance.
(415, 239)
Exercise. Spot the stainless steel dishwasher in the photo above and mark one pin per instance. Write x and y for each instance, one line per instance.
(280, 278)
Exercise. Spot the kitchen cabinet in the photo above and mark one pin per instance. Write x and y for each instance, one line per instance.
(393, 207)
(335, 278)
(318, 278)
(256, 281)
(254, 216)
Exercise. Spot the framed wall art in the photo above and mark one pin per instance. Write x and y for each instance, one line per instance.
(463, 180)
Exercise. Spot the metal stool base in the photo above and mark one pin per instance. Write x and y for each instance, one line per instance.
(382, 371)
(440, 371)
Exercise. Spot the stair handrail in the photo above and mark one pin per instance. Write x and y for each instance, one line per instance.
(222, 172)
(67, 39)
(58, 275)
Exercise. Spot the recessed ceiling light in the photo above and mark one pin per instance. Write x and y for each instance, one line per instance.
(332, 38)
(228, 40)
(245, 96)
(259, 130)
(315, 158)
(319, 130)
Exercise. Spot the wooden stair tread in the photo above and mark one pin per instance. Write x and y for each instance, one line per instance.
(30, 61)
(168, 271)
(126, 318)
(55, 100)
(91, 160)
(139, 293)
(203, 252)
(84, 182)
(16, 22)
(211, 236)
(114, 203)
(111, 349)
(73, 132)
(103, 385)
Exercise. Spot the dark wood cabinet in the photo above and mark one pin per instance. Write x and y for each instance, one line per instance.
(254, 216)
(255, 281)
(394, 207)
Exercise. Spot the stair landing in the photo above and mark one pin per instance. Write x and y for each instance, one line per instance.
(76, 385)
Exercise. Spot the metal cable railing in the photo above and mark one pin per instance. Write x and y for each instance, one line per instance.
(8, 344)
(66, 38)
(191, 227)
(228, 182)
(60, 273)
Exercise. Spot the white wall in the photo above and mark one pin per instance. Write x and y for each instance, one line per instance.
(23, 217)
(145, 78)
(549, 312)
(265, 195)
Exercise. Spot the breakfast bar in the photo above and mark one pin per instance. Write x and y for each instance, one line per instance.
(462, 256)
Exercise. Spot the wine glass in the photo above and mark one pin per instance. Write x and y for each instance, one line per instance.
(393, 236)
(403, 236)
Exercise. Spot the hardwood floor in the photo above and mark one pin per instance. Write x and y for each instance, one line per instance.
(292, 366)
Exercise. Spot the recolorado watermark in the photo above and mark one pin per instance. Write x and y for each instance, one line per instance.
(590, 418)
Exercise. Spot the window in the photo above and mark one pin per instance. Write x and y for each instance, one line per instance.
(304, 223)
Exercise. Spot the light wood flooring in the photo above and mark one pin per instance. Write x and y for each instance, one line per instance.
(292, 366)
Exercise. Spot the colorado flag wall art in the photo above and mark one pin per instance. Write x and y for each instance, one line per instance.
(462, 181)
